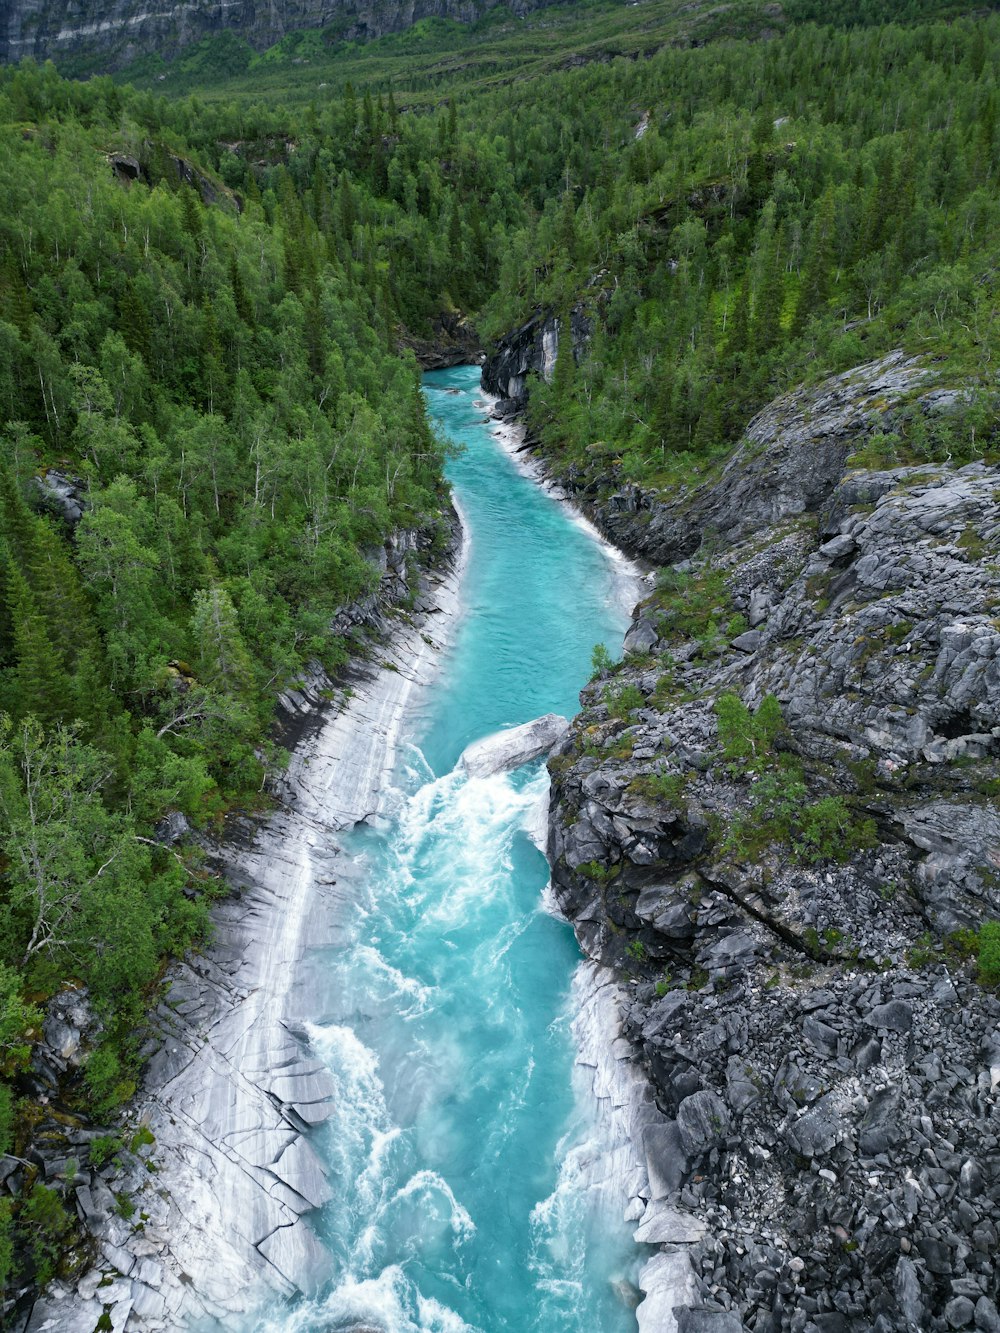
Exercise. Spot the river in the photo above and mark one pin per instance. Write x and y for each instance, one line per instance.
(467, 1153)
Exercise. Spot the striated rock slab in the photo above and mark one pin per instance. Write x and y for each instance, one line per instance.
(233, 1090)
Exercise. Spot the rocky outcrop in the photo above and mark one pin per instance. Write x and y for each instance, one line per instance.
(513, 747)
(61, 495)
(529, 350)
(111, 33)
(453, 342)
(778, 819)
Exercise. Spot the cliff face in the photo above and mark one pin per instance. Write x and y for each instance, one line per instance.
(529, 350)
(119, 31)
(778, 819)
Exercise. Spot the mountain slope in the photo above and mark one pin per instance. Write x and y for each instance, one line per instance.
(119, 31)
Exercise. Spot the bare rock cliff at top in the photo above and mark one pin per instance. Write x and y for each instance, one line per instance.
(114, 32)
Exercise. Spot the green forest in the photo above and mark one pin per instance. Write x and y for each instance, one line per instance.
(207, 293)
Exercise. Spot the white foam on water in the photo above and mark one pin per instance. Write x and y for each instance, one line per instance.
(429, 1182)
(473, 822)
(388, 1302)
(401, 987)
(598, 1158)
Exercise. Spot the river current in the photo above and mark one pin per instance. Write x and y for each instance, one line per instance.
(465, 1151)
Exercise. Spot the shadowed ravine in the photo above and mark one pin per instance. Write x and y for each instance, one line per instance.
(474, 1178)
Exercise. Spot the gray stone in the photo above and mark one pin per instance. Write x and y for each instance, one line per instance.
(971, 1181)
(706, 1321)
(669, 1282)
(816, 1132)
(642, 637)
(959, 1312)
(742, 1088)
(749, 641)
(882, 1125)
(663, 1224)
(908, 1298)
(897, 1016)
(666, 1160)
(511, 748)
(703, 1120)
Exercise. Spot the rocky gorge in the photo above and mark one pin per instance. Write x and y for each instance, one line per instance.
(775, 823)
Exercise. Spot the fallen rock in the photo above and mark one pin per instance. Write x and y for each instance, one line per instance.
(509, 749)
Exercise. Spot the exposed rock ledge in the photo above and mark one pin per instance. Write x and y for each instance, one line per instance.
(513, 747)
(823, 1149)
(233, 1089)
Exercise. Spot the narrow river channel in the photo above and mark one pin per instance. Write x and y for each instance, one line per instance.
(465, 1152)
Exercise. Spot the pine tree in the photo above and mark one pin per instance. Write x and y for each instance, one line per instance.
(223, 660)
(40, 685)
(815, 287)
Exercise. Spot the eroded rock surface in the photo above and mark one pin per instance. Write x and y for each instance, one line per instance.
(513, 747)
(221, 1222)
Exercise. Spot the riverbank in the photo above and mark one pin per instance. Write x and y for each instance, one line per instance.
(219, 1202)
(625, 1163)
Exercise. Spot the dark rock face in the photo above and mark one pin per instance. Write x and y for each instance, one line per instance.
(62, 495)
(119, 31)
(454, 343)
(529, 350)
(813, 1031)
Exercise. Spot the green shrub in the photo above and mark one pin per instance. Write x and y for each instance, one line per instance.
(46, 1225)
(827, 831)
(600, 661)
(988, 953)
(662, 785)
(102, 1149)
(624, 701)
(747, 738)
(109, 1083)
(597, 871)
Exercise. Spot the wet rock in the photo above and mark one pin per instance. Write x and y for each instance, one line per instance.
(65, 495)
(511, 748)
(172, 828)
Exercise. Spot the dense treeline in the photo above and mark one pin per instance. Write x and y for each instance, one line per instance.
(791, 208)
(219, 383)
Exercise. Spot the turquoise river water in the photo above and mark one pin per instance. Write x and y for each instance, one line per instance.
(464, 1133)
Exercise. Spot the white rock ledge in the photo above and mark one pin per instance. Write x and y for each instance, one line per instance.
(513, 747)
(232, 1091)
